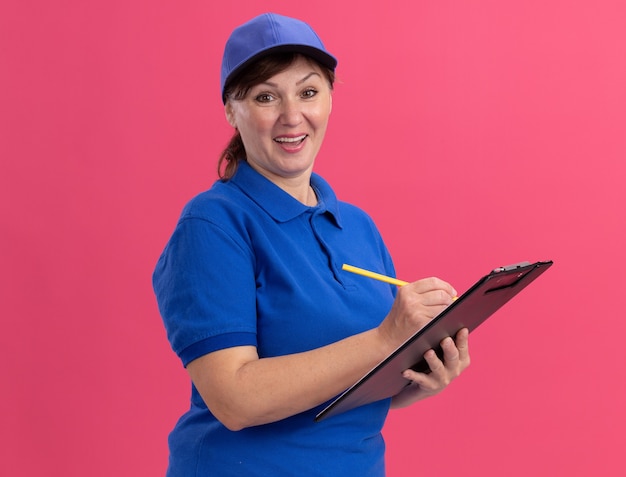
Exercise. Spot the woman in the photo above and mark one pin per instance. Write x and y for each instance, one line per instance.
(252, 294)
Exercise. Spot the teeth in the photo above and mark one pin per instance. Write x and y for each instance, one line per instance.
(290, 139)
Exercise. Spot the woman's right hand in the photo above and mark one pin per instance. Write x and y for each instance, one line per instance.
(415, 305)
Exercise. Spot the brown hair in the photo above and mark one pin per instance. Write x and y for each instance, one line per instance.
(237, 88)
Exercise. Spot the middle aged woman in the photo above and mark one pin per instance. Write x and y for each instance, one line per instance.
(252, 293)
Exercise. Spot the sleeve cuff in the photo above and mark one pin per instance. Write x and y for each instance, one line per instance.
(215, 343)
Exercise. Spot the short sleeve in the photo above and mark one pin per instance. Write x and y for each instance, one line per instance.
(204, 283)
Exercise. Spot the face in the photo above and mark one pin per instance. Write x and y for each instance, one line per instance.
(283, 120)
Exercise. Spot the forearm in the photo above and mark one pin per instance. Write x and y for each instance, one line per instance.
(243, 390)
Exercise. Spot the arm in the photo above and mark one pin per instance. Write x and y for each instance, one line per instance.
(243, 390)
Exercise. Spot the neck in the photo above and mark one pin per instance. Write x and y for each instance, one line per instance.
(311, 197)
(299, 187)
(303, 193)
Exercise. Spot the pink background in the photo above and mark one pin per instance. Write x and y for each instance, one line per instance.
(475, 133)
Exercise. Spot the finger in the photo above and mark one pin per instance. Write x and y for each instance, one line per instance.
(433, 381)
(462, 345)
(412, 297)
(450, 351)
(435, 364)
(437, 298)
(424, 381)
(426, 285)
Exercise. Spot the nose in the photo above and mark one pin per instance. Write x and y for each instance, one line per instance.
(290, 112)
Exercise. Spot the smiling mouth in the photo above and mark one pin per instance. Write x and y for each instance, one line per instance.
(291, 140)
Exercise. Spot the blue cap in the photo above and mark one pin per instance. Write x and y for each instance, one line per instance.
(271, 33)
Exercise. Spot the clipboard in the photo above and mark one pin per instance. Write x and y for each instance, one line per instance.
(471, 309)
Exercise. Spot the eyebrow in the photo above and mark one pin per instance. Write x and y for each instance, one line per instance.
(269, 83)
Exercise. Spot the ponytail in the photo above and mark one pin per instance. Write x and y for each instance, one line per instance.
(231, 156)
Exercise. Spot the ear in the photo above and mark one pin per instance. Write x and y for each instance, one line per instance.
(230, 115)
(331, 103)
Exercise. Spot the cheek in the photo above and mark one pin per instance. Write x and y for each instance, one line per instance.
(259, 122)
(320, 119)
(255, 131)
(325, 110)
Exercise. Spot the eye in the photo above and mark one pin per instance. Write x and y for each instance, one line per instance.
(263, 98)
(309, 93)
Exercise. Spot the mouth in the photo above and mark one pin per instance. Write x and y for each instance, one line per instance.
(290, 141)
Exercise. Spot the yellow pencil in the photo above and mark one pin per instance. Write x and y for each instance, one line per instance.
(376, 276)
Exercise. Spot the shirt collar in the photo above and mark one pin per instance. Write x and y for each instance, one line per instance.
(281, 206)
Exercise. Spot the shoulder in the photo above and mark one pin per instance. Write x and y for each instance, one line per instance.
(224, 205)
(221, 216)
(345, 210)
(220, 197)
(352, 210)
(356, 220)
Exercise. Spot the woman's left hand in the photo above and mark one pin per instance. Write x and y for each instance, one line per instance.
(455, 360)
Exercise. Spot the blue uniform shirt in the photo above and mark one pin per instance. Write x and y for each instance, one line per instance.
(250, 265)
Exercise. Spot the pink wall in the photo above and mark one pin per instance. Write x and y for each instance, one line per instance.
(475, 133)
